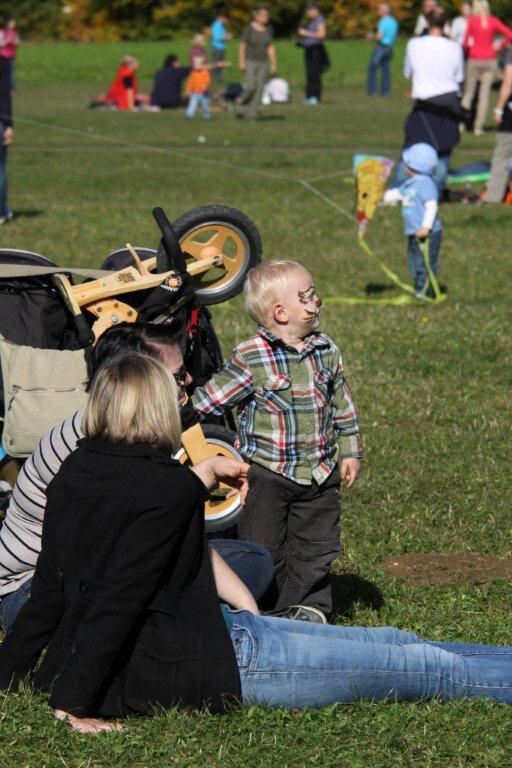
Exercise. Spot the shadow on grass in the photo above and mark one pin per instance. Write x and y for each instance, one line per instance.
(350, 589)
(27, 213)
(372, 289)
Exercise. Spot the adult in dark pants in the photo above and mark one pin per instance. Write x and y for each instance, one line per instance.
(219, 37)
(315, 56)
(387, 30)
(436, 68)
(6, 134)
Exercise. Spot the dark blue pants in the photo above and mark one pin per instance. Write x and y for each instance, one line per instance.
(251, 562)
(380, 59)
(416, 261)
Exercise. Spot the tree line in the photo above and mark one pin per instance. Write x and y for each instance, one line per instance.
(112, 20)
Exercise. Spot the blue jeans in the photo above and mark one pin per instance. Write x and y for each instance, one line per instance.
(416, 261)
(438, 177)
(380, 59)
(4, 208)
(298, 664)
(251, 563)
(11, 604)
(196, 100)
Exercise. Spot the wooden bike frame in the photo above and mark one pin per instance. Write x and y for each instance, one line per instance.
(99, 297)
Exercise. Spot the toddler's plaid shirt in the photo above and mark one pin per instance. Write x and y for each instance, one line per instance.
(296, 414)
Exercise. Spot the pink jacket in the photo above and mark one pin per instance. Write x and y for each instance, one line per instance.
(478, 41)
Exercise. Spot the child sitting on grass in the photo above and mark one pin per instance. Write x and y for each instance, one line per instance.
(198, 86)
(419, 197)
(297, 421)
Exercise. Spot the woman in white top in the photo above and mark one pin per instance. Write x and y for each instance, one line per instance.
(460, 24)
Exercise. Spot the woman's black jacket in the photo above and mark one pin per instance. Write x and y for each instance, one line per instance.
(123, 593)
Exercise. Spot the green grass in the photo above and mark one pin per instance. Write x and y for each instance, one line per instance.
(432, 384)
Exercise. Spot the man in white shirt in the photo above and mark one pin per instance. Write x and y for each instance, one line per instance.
(436, 67)
(434, 64)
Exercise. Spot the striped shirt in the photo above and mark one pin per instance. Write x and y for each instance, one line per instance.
(296, 414)
(20, 535)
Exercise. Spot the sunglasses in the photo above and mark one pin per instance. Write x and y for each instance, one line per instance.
(180, 376)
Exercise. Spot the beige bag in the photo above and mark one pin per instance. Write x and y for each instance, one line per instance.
(42, 387)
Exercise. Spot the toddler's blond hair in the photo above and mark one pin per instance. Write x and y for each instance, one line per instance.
(266, 285)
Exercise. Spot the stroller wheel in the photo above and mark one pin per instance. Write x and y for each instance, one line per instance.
(219, 229)
(220, 512)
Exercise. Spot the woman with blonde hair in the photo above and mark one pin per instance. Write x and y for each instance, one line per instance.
(481, 31)
(123, 593)
(126, 599)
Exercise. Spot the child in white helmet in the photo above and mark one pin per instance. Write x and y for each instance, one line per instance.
(420, 202)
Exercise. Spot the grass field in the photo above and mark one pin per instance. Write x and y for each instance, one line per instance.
(432, 383)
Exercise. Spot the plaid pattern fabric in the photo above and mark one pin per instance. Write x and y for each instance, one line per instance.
(296, 414)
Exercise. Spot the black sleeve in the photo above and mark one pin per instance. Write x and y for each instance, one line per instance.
(153, 537)
(128, 81)
(5, 93)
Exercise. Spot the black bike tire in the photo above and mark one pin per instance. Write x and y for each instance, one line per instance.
(222, 214)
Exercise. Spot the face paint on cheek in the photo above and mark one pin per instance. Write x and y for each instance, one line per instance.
(306, 296)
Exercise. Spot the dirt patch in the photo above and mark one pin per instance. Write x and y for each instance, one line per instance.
(441, 570)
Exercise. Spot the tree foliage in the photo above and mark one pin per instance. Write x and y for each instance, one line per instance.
(101, 20)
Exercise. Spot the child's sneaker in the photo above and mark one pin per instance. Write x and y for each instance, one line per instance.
(311, 101)
(8, 216)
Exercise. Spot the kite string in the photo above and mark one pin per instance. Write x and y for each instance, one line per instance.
(163, 150)
(305, 183)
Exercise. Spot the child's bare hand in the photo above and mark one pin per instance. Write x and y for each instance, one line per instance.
(233, 473)
(422, 232)
(349, 470)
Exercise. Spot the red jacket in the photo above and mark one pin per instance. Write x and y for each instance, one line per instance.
(125, 80)
(479, 38)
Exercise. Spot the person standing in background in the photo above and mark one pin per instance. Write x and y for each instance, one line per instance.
(460, 24)
(500, 166)
(316, 58)
(6, 134)
(436, 67)
(9, 42)
(197, 48)
(387, 30)
(421, 26)
(256, 55)
(219, 36)
(198, 87)
(481, 67)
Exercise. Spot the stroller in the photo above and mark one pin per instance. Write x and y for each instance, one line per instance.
(202, 259)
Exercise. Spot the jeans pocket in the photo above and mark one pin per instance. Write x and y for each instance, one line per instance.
(245, 647)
